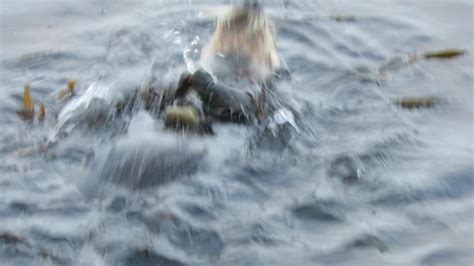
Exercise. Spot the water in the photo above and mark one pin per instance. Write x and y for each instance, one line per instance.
(358, 181)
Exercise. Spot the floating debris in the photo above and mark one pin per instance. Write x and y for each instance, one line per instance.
(441, 54)
(42, 112)
(71, 84)
(444, 54)
(399, 62)
(68, 91)
(415, 103)
(28, 110)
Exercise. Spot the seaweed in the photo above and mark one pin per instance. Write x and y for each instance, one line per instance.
(42, 112)
(444, 54)
(68, 91)
(416, 103)
(28, 110)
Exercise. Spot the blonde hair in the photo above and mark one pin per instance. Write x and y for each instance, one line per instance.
(247, 32)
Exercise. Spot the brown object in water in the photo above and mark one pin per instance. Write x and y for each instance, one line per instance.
(71, 84)
(28, 110)
(68, 91)
(412, 103)
(42, 112)
(444, 54)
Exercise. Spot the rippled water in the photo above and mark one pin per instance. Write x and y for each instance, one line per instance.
(361, 182)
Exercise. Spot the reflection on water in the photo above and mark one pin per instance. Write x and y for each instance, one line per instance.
(341, 175)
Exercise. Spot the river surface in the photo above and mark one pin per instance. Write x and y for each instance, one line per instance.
(356, 181)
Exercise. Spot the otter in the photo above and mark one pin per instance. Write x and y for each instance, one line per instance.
(239, 65)
(243, 45)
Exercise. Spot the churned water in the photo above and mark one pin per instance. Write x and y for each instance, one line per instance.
(356, 180)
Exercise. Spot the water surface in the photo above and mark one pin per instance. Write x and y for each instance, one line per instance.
(361, 182)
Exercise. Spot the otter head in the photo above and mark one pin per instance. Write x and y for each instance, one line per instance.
(243, 45)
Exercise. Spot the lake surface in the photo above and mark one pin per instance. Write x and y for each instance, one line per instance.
(357, 181)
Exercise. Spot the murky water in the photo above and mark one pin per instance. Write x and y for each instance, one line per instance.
(360, 182)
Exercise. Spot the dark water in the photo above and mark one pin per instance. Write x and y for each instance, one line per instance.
(358, 181)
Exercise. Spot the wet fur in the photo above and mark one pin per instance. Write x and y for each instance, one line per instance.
(247, 33)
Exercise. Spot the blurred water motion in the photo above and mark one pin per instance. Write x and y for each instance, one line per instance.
(340, 176)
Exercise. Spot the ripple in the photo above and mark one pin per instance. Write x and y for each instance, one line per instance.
(146, 256)
(321, 210)
(146, 164)
(148, 196)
